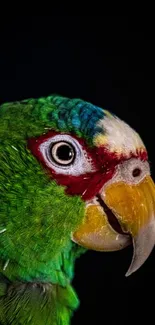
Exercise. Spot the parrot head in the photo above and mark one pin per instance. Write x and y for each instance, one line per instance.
(71, 173)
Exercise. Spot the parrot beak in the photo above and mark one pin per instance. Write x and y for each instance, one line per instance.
(119, 215)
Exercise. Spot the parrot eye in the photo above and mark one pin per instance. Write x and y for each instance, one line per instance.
(65, 155)
(62, 153)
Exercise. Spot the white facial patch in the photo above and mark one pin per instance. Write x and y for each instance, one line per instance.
(118, 136)
(131, 171)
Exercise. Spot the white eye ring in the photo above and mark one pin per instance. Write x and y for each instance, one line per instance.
(62, 153)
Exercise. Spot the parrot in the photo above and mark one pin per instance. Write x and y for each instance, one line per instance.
(73, 177)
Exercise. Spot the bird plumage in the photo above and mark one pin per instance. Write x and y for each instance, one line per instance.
(43, 202)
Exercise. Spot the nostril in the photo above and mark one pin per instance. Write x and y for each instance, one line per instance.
(136, 172)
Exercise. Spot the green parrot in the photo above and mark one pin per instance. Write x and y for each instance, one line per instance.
(73, 177)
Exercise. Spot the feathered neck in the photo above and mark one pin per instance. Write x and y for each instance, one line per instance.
(39, 302)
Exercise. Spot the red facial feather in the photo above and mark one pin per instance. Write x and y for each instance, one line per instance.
(86, 185)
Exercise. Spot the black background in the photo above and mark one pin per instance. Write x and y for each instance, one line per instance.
(108, 60)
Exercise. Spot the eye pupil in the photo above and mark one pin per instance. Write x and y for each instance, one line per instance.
(136, 172)
(64, 152)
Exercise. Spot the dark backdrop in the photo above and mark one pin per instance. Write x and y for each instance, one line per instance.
(110, 62)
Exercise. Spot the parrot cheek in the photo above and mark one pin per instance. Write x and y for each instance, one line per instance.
(134, 207)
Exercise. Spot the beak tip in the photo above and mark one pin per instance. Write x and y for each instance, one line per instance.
(128, 273)
(133, 267)
(143, 245)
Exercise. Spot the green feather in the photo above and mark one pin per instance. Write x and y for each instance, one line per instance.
(37, 255)
(37, 303)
